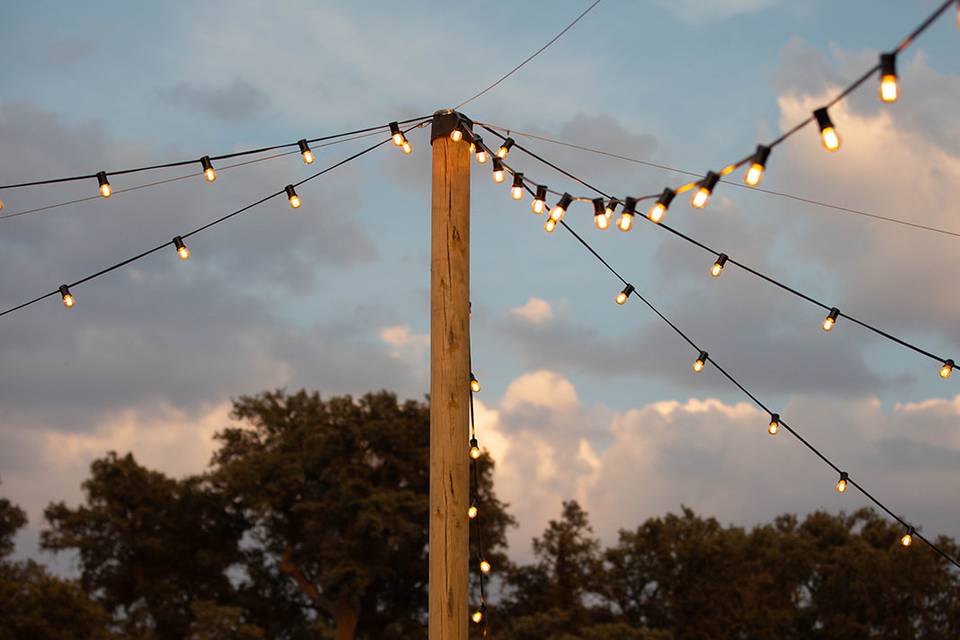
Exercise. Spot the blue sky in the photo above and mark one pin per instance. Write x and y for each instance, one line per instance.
(581, 398)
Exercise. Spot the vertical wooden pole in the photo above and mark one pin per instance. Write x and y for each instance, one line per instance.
(449, 381)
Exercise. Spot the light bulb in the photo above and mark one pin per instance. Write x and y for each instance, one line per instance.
(1, 205)
(611, 207)
(456, 135)
(292, 196)
(474, 384)
(505, 148)
(889, 91)
(700, 362)
(828, 135)
(485, 566)
(498, 174)
(831, 320)
(539, 201)
(477, 616)
(105, 190)
(600, 218)
(717, 267)
(625, 221)
(774, 425)
(208, 171)
(68, 300)
(472, 512)
(307, 154)
(517, 190)
(480, 150)
(906, 539)
(623, 295)
(946, 369)
(758, 165)
(395, 134)
(842, 482)
(663, 204)
(474, 449)
(560, 209)
(407, 149)
(181, 248)
(702, 196)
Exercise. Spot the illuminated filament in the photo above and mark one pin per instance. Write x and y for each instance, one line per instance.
(456, 135)
(473, 511)
(774, 425)
(611, 207)
(717, 267)
(907, 538)
(208, 171)
(477, 616)
(105, 189)
(623, 295)
(181, 248)
(505, 148)
(498, 174)
(480, 151)
(831, 320)
(758, 165)
(474, 449)
(625, 221)
(700, 362)
(539, 203)
(842, 482)
(702, 196)
(307, 154)
(68, 300)
(947, 369)
(663, 204)
(517, 190)
(828, 135)
(600, 218)
(550, 225)
(560, 209)
(474, 384)
(292, 196)
(485, 567)
(889, 91)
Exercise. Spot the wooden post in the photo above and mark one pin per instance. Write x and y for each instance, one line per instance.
(449, 381)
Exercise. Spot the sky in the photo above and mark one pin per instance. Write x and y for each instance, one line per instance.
(581, 398)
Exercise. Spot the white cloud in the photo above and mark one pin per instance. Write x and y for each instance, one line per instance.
(535, 311)
(404, 341)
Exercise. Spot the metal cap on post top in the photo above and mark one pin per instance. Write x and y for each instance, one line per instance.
(447, 121)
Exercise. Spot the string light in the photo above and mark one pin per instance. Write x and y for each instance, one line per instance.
(307, 154)
(474, 449)
(600, 218)
(625, 222)
(505, 148)
(700, 198)
(497, 171)
(396, 135)
(611, 208)
(842, 482)
(477, 616)
(473, 511)
(907, 538)
(831, 320)
(663, 204)
(105, 189)
(828, 135)
(550, 225)
(758, 165)
(485, 566)
(947, 369)
(623, 295)
(700, 362)
(292, 196)
(539, 203)
(181, 248)
(456, 135)
(208, 171)
(560, 209)
(774, 425)
(480, 150)
(68, 300)
(717, 267)
(889, 91)
(474, 384)
(517, 190)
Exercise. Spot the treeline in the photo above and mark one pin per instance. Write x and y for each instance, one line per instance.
(311, 522)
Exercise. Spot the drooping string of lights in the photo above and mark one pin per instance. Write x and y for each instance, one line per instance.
(655, 215)
(480, 615)
(178, 242)
(776, 422)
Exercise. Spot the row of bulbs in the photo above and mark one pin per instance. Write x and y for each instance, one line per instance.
(474, 509)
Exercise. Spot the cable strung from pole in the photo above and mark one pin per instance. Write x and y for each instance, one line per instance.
(178, 244)
(947, 364)
(481, 614)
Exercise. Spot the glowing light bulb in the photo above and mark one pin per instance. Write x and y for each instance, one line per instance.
(473, 511)
(539, 203)
(947, 369)
(560, 209)
(623, 295)
(474, 449)
(485, 567)
(480, 150)
(407, 149)
(396, 135)
(600, 218)
(611, 207)
(774, 425)
(889, 91)
(474, 384)
(477, 616)
(550, 225)
(292, 196)
(208, 171)
(181, 248)
(700, 362)
(842, 482)
(68, 300)
(105, 190)
(828, 135)
(702, 196)
(831, 320)
(758, 165)
(498, 173)
(717, 267)
(906, 539)
(658, 210)
(456, 135)
(505, 148)
(517, 190)
(625, 221)
(307, 154)
(1, 205)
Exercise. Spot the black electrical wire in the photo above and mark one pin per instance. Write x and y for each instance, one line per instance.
(742, 265)
(224, 156)
(197, 230)
(475, 498)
